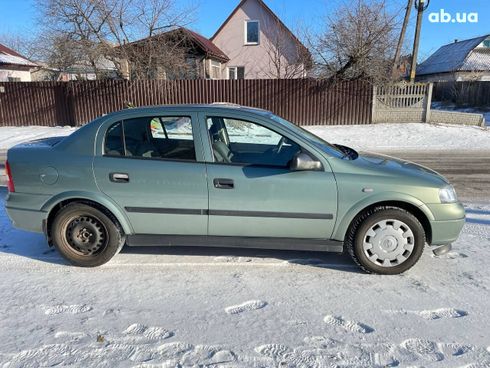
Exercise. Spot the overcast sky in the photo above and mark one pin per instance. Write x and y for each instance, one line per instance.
(20, 16)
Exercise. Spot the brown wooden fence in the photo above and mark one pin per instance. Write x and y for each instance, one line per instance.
(463, 93)
(305, 102)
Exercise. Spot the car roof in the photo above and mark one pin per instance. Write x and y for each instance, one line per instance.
(217, 106)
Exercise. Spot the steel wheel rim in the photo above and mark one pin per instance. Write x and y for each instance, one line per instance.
(86, 235)
(388, 243)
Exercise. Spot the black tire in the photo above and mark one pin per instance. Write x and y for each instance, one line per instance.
(86, 236)
(365, 221)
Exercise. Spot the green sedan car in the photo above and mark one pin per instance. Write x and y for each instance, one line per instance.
(225, 176)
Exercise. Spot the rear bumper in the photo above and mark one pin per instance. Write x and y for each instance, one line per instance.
(24, 209)
(29, 220)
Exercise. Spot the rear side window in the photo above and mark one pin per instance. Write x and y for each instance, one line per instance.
(114, 145)
(152, 137)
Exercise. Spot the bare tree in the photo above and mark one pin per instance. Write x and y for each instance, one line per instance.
(101, 29)
(357, 42)
(168, 55)
(23, 44)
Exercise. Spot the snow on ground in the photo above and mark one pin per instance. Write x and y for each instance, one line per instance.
(190, 307)
(375, 137)
(412, 136)
(10, 136)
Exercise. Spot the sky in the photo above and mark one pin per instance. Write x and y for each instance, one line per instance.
(19, 16)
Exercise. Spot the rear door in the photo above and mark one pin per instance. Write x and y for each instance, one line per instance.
(252, 191)
(151, 166)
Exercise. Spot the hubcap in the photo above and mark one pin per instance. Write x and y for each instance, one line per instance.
(388, 243)
(86, 235)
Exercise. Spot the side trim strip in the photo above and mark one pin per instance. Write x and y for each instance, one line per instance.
(191, 211)
(297, 215)
(169, 211)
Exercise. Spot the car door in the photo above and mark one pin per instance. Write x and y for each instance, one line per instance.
(252, 191)
(151, 166)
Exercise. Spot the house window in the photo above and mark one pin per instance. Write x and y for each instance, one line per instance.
(215, 69)
(236, 72)
(252, 31)
(14, 79)
(486, 43)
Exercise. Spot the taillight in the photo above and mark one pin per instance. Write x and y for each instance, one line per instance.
(10, 180)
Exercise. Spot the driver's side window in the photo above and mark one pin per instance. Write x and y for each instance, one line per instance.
(237, 141)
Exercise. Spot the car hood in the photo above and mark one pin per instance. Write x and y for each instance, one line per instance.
(395, 166)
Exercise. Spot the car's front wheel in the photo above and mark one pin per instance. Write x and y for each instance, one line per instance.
(86, 236)
(385, 240)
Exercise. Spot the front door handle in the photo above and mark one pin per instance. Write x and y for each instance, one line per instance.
(119, 177)
(220, 183)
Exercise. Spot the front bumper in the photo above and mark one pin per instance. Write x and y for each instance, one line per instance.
(449, 219)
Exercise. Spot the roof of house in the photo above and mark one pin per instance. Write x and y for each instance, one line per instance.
(206, 46)
(457, 56)
(268, 10)
(11, 57)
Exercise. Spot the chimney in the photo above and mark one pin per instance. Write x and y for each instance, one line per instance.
(456, 40)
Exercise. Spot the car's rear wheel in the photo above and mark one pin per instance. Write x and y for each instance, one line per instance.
(86, 236)
(386, 240)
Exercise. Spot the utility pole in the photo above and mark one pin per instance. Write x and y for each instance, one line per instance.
(396, 61)
(421, 6)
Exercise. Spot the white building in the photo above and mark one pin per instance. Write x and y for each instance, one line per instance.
(13, 66)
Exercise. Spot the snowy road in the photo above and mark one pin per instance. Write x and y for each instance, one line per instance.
(161, 307)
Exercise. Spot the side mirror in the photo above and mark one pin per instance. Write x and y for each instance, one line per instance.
(302, 161)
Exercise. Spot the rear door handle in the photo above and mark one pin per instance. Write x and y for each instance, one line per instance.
(223, 183)
(119, 177)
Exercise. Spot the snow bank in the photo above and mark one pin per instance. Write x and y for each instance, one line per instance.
(376, 137)
(10, 136)
(413, 136)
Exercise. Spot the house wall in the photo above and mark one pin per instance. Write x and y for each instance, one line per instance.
(6, 73)
(255, 58)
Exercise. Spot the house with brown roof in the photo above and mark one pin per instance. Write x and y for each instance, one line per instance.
(252, 43)
(177, 54)
(13, 66)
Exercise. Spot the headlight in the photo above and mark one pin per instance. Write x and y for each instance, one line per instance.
(448, 194)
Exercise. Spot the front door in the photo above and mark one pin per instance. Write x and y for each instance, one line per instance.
(252, 191)
(149, 168)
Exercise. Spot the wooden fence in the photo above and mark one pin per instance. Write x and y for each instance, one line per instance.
(475, 94)
(305, 102)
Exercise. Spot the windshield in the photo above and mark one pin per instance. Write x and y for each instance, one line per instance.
(310, 137)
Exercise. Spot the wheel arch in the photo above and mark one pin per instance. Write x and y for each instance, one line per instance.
(409, 204)
(102, 203)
